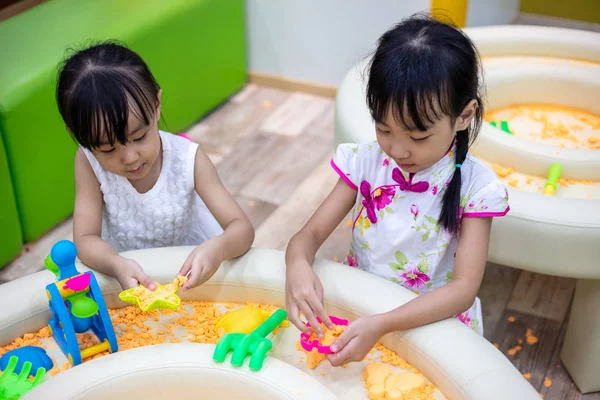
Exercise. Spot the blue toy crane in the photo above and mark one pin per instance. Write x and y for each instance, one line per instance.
(77, 306)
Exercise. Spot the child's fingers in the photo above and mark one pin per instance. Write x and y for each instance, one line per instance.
(129, 283)
(186, 270)
(192, 281)
(144, 279)
(342, 340)
(310, 317)
(148, 282)
(190, 284)
(294, 317)
(199, 274)
(344, 354)
(338, 359)
(317, 306)
(187, 266)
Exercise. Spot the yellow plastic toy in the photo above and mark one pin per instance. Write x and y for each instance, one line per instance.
(163, 297)
(245, 320)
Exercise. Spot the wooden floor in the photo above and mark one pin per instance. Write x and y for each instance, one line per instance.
(272, 150)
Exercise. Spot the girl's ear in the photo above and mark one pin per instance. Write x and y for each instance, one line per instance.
(68, 129)
(466, 116)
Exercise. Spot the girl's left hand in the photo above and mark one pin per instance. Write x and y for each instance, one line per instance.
(201, 264)
(356, 341)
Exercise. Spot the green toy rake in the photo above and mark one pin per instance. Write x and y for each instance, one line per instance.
(256, 343)
(13, 386)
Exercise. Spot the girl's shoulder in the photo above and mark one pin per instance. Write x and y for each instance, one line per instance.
(366, 149)
(82, 155)
(178, 147)
(175, 142)
(482, 191)
(355, 162)
(474, 169)
(365, 155)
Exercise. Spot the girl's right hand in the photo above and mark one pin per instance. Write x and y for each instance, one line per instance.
(130, 274)
(304, 293)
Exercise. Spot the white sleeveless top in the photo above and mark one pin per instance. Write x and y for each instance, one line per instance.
(170, 214)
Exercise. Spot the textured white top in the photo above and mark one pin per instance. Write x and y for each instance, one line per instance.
(170, 214)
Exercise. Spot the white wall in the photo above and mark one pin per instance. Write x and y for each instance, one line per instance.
(318, 40)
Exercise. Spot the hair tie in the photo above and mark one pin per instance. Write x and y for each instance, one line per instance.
(458, 165)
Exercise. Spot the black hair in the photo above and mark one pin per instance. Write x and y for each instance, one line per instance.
(423, 67)
(96, 89)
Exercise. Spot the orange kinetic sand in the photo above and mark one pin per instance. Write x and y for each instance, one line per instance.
(523, 181)
(562, 126)
(329, 335)
(529, 336)
(195, 321)
(382, 383)
(557, 126)
(514, 350)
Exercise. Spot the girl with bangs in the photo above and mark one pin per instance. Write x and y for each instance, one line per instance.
(422, 206)
(136, 186)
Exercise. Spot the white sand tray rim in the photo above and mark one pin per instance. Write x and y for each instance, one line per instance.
(454, 360)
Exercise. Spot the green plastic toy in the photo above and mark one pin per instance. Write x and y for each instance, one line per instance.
(553, 177)
(256, 344)
(503, 126)
(51, 265)
(13, 386)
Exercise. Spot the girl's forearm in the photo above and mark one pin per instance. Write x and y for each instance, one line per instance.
(444, 302)
(97, 254)
(301, 248)
(236, 239)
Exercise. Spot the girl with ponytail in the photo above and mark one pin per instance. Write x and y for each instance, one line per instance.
(422, 206)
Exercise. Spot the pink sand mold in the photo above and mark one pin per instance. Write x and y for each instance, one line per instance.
(308, 346)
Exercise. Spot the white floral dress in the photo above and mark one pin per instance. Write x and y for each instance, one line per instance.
(395, 233)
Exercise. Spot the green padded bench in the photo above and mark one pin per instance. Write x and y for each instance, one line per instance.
(195, 48)
(10, 227)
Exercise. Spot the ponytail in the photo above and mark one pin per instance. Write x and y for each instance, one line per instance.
(449, 218)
